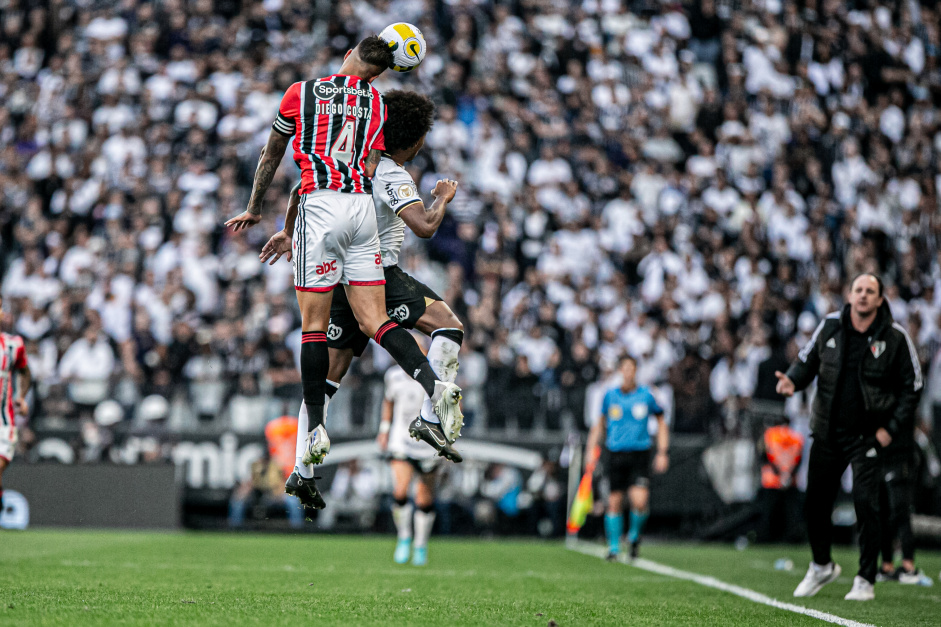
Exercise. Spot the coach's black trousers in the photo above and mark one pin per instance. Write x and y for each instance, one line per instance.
(828, 460)
(896, 497)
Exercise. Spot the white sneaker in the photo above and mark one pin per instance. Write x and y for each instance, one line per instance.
(447, 405)
(862, 590)
(817, 577)
(318, 445)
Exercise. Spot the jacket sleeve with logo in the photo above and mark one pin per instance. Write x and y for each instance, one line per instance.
(807, 364)
(907, 385)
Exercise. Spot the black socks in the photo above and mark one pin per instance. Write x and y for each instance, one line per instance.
(404, 350)
(315, 363)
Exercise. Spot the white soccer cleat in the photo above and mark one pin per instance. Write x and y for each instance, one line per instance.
(447, 405)
(816, 578)
(862, 590)
(318, 445)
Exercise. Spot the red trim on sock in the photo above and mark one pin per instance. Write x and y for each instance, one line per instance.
(382, 331)
(313, 336)
(359, 283)
(315, 289)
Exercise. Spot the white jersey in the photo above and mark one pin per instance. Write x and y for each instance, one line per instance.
(407, 396)
(392, 191)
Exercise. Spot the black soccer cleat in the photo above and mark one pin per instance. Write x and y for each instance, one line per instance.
(612, 556)
(635, 550)
(891, 575)
(431, 433)
(305, 490)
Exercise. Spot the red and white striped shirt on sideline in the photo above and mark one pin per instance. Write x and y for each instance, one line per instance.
(335, 121)
(12, 358)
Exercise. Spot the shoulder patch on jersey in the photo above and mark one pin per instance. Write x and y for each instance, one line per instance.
(406, 191)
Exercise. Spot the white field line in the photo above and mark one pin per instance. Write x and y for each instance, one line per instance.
(712, 582)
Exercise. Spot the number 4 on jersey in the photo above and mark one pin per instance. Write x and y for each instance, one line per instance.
(343, 147)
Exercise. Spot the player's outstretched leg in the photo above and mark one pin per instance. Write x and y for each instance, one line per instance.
(443, 357)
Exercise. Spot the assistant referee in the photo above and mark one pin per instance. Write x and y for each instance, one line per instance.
(868, 380)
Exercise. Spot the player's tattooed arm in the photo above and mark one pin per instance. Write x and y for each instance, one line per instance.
(372, 162)
(268, 164)
(425, 222)
(281, 242)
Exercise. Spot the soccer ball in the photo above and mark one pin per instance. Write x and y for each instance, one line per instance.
(407, 43)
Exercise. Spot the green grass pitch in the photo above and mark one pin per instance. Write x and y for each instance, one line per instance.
(128, 578)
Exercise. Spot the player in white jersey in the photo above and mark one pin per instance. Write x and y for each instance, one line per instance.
(403, 400)
(408, 301)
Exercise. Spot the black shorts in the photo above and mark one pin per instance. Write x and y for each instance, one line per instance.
(422, 466)
(627, 469)
(405, 303)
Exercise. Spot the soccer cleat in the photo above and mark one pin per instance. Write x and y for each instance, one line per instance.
(635, 550)
(816, 578)
(431, 433)
(862, 590)
(402, 548)
(318, 445)
(447, 405)
(305, 490)
(893, 575)
(612, 556)
(913, 578)
(420, 556)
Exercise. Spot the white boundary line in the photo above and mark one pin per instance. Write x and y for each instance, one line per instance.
(712, 582)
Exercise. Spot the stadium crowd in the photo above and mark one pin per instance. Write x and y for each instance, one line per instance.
(683, 182)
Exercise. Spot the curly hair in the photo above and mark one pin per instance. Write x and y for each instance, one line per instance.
(376, 52)
(410, 116)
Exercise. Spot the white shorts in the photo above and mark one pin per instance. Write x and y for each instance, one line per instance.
(336, 240)
(7, 442)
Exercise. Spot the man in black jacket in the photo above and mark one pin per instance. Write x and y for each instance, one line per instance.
(868, 379)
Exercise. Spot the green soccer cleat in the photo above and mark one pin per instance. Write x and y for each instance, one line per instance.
(431, 433)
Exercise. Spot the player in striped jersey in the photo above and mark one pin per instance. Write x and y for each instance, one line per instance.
(337, 124)
(410, 302)
(15, 381)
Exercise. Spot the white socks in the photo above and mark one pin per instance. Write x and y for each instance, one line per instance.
(442, 355)
(305, 470)
(424, 521)
(402, 517)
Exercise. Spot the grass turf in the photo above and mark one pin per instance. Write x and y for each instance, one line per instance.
(73, 577)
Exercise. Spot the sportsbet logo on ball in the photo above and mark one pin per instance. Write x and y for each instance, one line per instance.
(407, 43)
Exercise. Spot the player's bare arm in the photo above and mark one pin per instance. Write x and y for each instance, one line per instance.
(372, 162)
(385, 425)
(24, 383)
(268, 163)
(280, 242)
(424, 222)
(661, 461)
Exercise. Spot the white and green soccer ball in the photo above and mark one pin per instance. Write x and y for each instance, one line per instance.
(407, 43)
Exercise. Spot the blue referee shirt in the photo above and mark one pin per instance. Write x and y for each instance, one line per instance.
(626, 416)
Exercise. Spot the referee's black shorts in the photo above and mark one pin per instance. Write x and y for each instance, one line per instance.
(627, 469)
(406, 301)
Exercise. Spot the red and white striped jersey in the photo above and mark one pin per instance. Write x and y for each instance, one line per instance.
(335, 122)
(12, 358)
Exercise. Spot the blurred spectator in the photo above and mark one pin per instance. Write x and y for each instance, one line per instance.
(262, 492)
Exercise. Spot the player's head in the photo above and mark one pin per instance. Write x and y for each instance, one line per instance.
(410, 116)
(370, 58)
(865, 294)
(627, 367)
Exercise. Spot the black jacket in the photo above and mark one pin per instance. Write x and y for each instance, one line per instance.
(889, 375)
